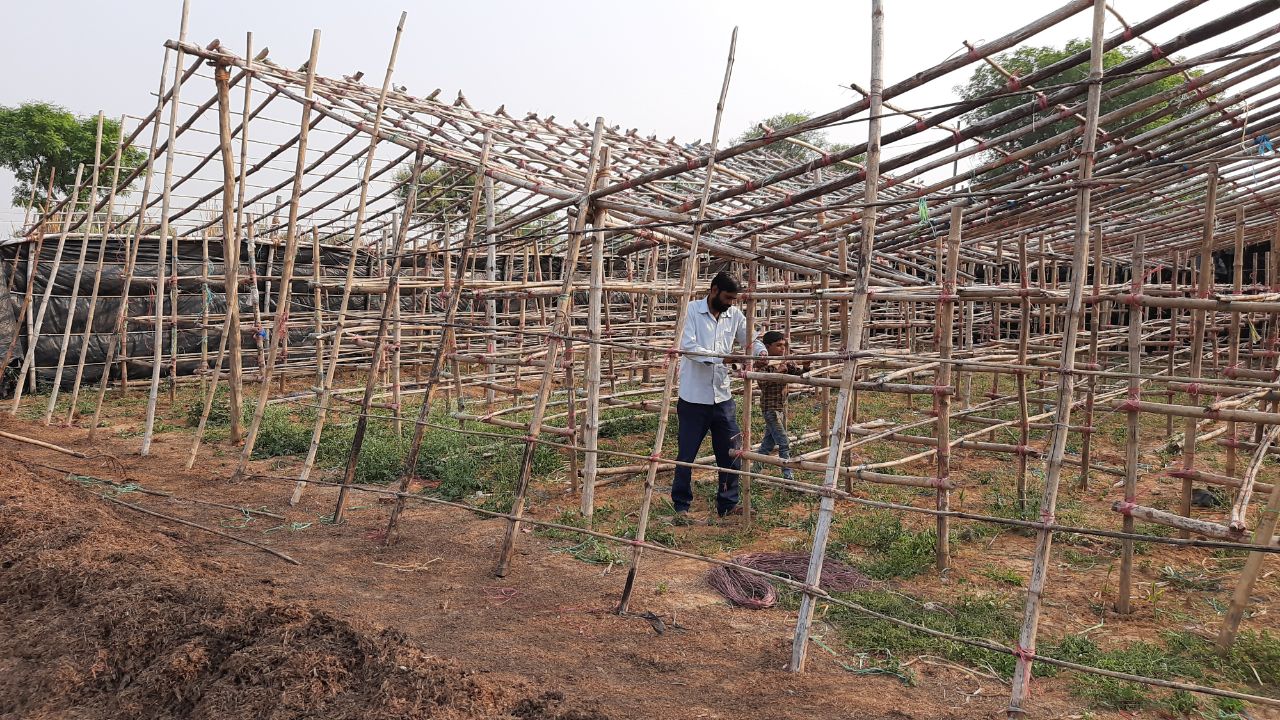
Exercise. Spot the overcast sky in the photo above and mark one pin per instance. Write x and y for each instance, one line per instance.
(653, 65)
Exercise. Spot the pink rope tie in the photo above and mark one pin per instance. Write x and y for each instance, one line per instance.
(1125, 508)
(1047, 517)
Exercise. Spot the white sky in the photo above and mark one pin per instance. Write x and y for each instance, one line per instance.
(655, 66)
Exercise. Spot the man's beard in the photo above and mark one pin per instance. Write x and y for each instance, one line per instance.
(719, 305)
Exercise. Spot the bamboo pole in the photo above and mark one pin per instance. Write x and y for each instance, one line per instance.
(379, 344)
(326, 388)
(451, 312)
(1131, 427)
(33, 335)
(747, 398)
(1233, 334)
(942, 400)
(1095, 318)
(280, 333)
(97, 276)
(595, 299)
(1203, 288)
(1020, 375)
(1264, 534)
(75, 282)
(1066, 380)
(852, 337)
(560, 331)
(690, 271)
(120, 327)
(166, 200)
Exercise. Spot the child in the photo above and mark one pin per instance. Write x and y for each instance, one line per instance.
(773, 397)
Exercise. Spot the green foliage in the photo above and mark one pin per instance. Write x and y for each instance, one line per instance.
(441, 188)
(1176, 655)
(894, 551)
(279, 435)
(44, 136)
(1025, 60)
(816, 138)
(972, 616)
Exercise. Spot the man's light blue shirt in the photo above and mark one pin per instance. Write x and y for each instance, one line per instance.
(704, 379)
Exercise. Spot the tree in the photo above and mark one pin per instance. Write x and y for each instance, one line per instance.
(799, 153)
(441, 188)
(44, 136)
(1025, 60)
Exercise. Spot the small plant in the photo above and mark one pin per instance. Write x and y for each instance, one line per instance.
(1002, 575)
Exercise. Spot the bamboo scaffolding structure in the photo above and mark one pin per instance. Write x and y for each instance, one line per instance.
(502, 312)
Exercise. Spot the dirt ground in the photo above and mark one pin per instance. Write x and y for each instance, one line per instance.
(107, 612)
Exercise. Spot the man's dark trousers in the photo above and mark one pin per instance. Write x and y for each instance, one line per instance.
(696, 420)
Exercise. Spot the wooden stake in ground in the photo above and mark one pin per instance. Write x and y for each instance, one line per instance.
(1066, 377)
(1132, 426)
(686, 292)
(555, 340)
(852, 337)
(165, 205)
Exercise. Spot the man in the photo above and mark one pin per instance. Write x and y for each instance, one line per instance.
(712, 327)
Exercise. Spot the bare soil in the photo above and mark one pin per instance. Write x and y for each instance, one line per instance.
(105, 612)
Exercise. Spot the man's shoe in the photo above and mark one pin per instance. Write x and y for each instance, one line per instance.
(735, 513)
(682, 518)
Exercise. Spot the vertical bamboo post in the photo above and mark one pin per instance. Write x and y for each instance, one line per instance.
(1095, 318)
(560, 328)
(595, 299)
(1203, 289)
(231, 237)
(750, 315)
(942, 386)
(1172, 362)
(165, 202)
(851, 341)
(686, 292)
(450, 313)
(1020, 376)
(326, 388)
(1132, 426)
(75, 283)
(1066, 377)
(1233, 335)
(33, 336)
(317, 299)
(491, 304)
(280, 333)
